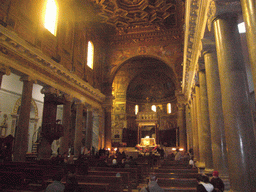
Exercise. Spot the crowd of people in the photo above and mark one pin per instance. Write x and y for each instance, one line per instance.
(106, 158)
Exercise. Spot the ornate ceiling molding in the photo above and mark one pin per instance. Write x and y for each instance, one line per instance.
(123, 14)
(16, 53)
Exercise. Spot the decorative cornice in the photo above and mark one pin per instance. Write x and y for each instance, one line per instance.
(191, 22)
(11, 42)
(146, 37)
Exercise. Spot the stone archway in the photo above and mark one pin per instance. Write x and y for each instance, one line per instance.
(135, 77)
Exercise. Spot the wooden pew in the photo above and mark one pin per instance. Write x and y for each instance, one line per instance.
(134, 174)
(12, 180)
(115, 183)
(124, 175)
(88, 187)
(165, 170)
(176, 175)
(174, 182)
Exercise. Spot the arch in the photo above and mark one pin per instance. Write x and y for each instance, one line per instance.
(18, 104)
(119, 66)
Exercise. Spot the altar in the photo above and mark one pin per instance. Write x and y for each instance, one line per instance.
(147, 144)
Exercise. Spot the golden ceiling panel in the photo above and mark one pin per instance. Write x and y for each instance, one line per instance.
(124, 14)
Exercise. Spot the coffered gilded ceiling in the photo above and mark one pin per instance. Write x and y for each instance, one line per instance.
(139, 15)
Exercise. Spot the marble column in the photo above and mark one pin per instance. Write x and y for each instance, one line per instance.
(238, 120)
(200, 160)
(182, 129)
(188, 112)
(219, 151)
(249, 16)
(78, 129)
(89, 127)
(108, 108)
(195, 130)
(95, 128)
(21, 139)
(101, 129)
(108, 127)
(205, 146)
(66, 119)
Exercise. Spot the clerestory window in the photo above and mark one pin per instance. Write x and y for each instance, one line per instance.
(51, 16)
(90, 54)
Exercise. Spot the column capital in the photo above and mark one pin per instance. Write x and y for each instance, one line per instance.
(67, 97)
(220, 8)
(4, 69)
(49, 90)
(27, 78)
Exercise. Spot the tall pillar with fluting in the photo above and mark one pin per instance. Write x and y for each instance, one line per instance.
(219, 151)
(66, 121)
(21, 139)
(238, 119)
(89, 127)
(79, 129)
(205, 146)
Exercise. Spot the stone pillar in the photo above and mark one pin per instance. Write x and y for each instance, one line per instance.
(108, 107)
(219, 151)
(198, 122)
(21, 139)
(89, 127)
(195, 131)
(249, 16)
(205, 146)
(95, 128)
(78, 129)
(238, 120)
(188, 111)
(66, 121)
(182, 129)
(101, 129)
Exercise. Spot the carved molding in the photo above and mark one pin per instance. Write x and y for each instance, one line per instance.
(18, 53)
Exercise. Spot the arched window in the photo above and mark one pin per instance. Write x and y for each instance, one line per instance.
(169, 108)
(153, 108)
(136, 109)
(51, 16)
(90, 54)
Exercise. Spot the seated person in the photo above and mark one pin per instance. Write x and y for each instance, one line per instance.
(178, 155)
(204, 184)
(152, 185)
(217, 182)
(56, 185)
